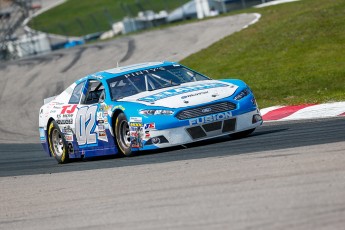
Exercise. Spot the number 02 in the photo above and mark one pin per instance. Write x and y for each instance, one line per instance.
(85, 125)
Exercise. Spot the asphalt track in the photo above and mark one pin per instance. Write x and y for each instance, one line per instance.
(283, 176)
(29, 159)
(287, 175)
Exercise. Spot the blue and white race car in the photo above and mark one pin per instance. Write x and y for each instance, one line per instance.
(143, 107)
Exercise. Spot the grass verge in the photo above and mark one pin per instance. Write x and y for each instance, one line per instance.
(293, 55)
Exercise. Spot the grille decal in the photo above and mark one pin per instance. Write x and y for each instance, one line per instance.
(205, 110)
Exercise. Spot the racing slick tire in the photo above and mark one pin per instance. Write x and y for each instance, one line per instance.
(122, 135)
(57, 143)
(242, 134)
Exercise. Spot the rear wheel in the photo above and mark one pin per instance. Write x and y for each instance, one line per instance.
(242, 134)
(57, 143)
(122, 135)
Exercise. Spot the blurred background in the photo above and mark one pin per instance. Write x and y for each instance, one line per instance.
(30, 27)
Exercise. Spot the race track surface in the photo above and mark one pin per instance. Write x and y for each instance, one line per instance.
(286, 175)
(30, 159)
(283, 176)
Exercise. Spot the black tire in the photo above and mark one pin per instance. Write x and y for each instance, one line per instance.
(122, 135)
(242, 134)
(57, 143)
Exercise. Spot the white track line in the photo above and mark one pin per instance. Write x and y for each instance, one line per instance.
(274, 3)
(257, 18)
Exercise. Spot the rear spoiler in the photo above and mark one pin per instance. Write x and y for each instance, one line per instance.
(49, 99)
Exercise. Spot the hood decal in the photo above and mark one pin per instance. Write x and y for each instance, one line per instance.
(181, 90)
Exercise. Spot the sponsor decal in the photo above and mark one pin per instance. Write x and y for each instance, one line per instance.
(68, 109)
(146, 71)
(181, 90)
(118, 107)
(102, 134)
(101, 118)
(66, 116)
(101, 128)
(100, 77)
(194, 94)
(133, 128)
(99, 115)
(210, 118)
(136, 134)
(55, 103)
(69, 137)
(135, 119)
(135, 124)
(133, 134)
(42, 135)
(67, 130)
(136, 144)
(206, 110)
(64, 122)
(150, 126)
(105, 107)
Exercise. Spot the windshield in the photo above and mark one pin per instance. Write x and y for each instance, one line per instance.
(151, 79)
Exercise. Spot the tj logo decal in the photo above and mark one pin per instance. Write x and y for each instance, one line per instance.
(68, 109)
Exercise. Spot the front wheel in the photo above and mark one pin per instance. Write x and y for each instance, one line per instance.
(57, 143)
(122, 135)
(242, 134)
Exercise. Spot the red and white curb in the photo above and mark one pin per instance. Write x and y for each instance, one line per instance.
(299, 112)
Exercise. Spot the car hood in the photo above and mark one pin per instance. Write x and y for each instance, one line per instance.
(187, 94)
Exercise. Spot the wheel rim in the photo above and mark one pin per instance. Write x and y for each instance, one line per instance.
(124, 134)
(57, 142)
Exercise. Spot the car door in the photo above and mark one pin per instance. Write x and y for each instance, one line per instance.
(86, 121)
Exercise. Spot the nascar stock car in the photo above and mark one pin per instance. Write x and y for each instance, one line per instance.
(143, 107)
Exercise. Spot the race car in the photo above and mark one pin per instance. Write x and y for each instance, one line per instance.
(144, 107)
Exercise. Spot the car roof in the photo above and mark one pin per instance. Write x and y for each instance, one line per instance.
(119, 71)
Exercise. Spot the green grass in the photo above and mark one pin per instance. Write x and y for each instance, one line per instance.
(63, 19)
(294, 54)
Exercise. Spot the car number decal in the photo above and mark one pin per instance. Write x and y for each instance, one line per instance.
(85, 126)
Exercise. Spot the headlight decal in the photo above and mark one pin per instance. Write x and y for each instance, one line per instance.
(242, 94)
(156, 112)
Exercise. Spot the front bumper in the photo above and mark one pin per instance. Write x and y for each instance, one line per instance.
(199, 130)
